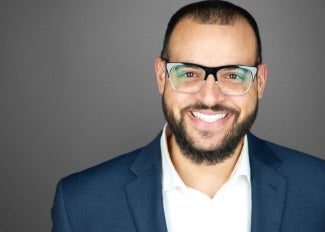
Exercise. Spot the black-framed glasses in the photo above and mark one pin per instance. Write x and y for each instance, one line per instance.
(232, 80)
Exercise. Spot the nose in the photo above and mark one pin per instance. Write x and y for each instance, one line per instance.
(210, 93)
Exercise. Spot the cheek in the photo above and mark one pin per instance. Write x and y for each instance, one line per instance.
(171, 103)
(176, 102)
(252, 96)
(247, 105)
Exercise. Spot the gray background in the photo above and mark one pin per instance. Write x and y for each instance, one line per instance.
(77, 87)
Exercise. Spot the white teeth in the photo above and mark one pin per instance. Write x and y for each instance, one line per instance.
(209, 118)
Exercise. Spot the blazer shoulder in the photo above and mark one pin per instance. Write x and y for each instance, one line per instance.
(285, 153)
(115, 171)
(297, 162)
(285, 159)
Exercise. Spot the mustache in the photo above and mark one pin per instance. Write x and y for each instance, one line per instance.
(216, 107)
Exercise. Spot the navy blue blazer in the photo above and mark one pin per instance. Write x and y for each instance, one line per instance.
(125, 193)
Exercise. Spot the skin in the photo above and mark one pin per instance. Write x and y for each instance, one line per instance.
(210, 45)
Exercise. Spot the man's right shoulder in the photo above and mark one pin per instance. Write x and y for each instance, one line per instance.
(115, 171)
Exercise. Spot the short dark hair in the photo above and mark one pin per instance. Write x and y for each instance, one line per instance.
(212, 12)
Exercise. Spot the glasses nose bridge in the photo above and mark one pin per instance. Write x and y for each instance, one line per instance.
(212, 71)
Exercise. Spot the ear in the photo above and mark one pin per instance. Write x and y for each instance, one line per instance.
(160, 74)
(261, 79)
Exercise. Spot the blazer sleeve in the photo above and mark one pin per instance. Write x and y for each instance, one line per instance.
(60, 219)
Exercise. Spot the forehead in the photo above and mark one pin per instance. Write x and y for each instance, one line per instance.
(213, 44)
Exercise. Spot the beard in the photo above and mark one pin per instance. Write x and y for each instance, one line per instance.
(217, 153)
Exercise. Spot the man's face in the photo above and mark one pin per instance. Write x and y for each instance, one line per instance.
(208, 126)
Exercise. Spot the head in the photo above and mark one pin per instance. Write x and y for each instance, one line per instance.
(208, 126)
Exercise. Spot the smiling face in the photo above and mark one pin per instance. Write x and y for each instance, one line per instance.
(209, 126)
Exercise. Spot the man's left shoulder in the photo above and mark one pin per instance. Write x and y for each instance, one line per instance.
(287, 160)
(298, 164)
(294, 156)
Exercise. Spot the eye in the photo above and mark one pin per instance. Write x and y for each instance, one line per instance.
(233, 76)
(189, 74)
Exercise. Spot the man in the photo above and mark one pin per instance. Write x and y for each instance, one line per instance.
(205, 171)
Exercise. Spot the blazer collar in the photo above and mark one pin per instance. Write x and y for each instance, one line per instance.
(268, 187)
(144, 193)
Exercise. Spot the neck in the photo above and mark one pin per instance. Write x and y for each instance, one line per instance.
(205, 178)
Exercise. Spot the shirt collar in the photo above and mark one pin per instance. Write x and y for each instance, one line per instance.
(242, 167)
(170, 177)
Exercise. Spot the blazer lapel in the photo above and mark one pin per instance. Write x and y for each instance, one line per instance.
(144, 193)
(268, 187)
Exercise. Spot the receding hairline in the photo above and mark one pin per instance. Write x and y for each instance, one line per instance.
(213, 16)
(216, 21)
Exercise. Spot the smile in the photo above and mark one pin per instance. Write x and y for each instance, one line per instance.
(209, 118)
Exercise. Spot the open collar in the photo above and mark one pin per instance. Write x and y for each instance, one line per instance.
(144, 192)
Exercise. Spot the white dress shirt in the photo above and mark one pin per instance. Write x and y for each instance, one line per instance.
(188, 210)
